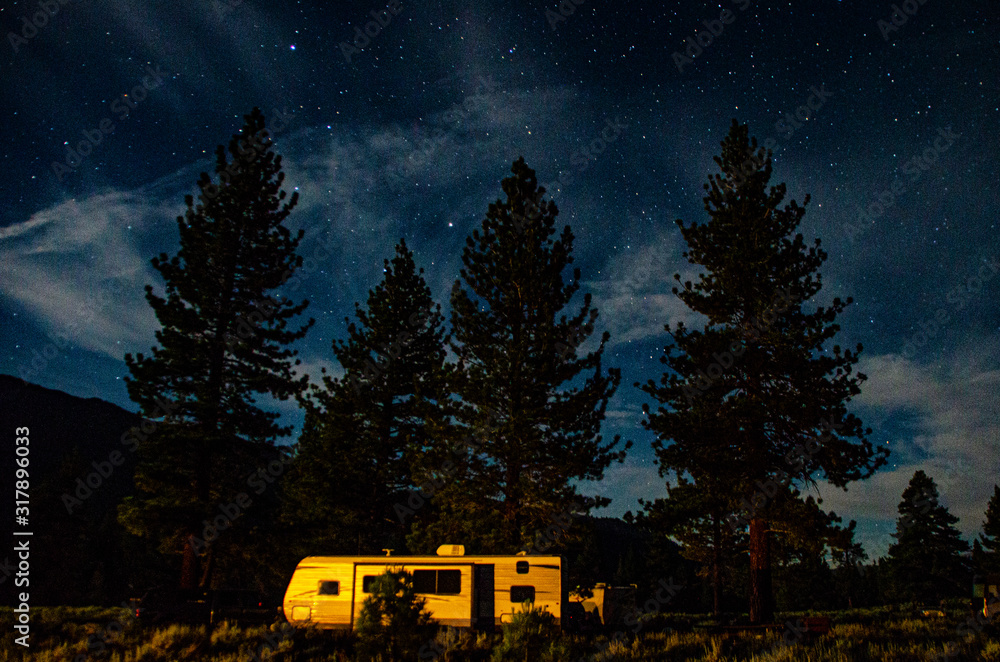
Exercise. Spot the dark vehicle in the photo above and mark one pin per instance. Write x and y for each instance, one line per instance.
(201, 607)
(580, 621)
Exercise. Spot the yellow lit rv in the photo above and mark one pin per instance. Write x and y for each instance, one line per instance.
(464, 591)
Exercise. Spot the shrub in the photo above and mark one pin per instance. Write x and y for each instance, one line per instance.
(393, 623)
(531, 635)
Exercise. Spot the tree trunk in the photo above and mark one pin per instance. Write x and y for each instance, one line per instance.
(761, 603)
(206, 577)
(716, 579)
(189, 565)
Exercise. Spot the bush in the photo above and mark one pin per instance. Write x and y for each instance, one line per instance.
(531, 635)
(393, 624)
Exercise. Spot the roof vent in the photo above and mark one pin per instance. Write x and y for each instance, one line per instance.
(451, 550)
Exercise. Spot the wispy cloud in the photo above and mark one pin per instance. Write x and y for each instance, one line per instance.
(954, 433)
(76, 267)
(634, 294)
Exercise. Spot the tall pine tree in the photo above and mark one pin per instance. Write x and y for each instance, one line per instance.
(760, 371)
(365, 432)
(223, 342)
(986, 554)
(533, 415)
(925, 562)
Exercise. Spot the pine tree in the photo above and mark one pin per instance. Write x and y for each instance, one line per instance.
(986, 554)
(223, 340)
(365, 433)
(696, 517)
(805, 540)
(532, 415)
(394, 625)
(925, 562)
(759, 375)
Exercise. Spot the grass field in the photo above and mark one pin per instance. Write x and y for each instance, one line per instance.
(66, 634)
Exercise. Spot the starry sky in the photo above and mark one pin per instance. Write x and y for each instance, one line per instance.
(886, 114)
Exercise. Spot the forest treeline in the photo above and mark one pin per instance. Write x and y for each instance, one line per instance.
(477, 425)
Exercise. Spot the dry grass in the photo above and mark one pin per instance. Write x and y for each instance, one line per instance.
(109, 635)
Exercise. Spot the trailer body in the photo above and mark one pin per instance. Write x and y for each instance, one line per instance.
(463, 591)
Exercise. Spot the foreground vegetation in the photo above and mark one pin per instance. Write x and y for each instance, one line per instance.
(62, 634)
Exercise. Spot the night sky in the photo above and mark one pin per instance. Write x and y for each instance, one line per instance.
(410, 135)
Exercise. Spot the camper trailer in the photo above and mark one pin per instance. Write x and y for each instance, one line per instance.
(477, 592)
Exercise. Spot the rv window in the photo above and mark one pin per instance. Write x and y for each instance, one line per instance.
(424, 581)
(519, 594)
(449, 582)
(522, 567)
(329, 588)
(440, 582)
(366, 583)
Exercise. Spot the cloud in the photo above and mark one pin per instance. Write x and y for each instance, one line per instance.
(952, 432)
(76, 268)
(79, 267)
(314, 366)
(634, 294)
(625, 484)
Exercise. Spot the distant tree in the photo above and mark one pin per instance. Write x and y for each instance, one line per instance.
(986, 550)
(532, 415)
(223, 341)
(394, 625)
(806, 540)
(366, 431)
(925, 562)
(759, 376)
(697, 518)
